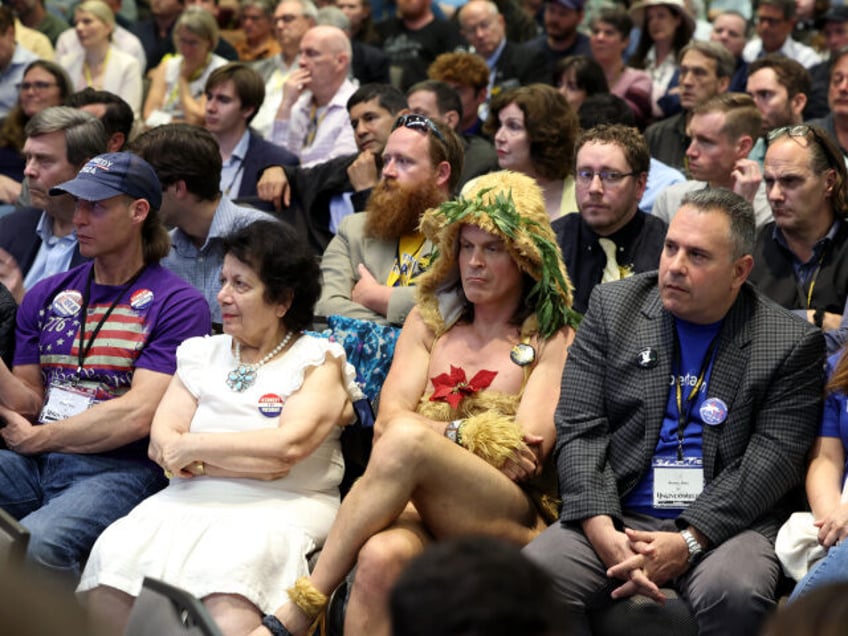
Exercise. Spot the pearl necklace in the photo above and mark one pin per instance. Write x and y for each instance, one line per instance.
(244, 375)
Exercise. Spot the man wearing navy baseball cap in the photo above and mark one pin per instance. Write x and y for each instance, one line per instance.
(95, 350)
(561, 38)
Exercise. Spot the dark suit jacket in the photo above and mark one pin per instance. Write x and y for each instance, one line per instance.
(18, 237)
(774, 275)
(639, 243)
(370, 65)
(260, 155)
(668, 141)
(767, 369)
(311, 191)
(519, 65)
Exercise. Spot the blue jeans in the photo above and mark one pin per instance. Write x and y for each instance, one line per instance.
(67, 500)
(833, 568)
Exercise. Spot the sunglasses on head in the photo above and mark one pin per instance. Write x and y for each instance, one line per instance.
(803, 130)
(418, 122)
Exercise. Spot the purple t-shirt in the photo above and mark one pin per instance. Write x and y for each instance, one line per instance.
(152, 317)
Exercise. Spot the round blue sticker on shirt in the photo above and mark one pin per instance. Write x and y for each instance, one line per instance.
(271, 405)
(713, 411)
(67, 303)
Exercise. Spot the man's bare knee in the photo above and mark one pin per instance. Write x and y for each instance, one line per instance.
(404, 444)
(382, 559)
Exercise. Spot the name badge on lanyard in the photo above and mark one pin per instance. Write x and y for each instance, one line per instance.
(64, 401)
(677, 483)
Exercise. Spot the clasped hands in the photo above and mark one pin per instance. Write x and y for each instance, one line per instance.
(646, 560)
(178, 460)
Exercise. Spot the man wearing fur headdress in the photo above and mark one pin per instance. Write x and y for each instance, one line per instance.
(465, 428)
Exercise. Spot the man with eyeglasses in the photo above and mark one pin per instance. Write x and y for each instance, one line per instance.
(39, 241)
(688, 404)
(722, 131)
(370, 266)
(801, 259)
(510, 64)
(611, 238)
(292, 18)
(256, 18)
(775, 20)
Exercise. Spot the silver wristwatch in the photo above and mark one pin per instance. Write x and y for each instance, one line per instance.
(695, 549)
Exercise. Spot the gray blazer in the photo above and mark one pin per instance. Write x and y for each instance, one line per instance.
(348, 248)
(768, 369)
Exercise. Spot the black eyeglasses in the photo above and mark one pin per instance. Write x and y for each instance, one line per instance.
(37, 86)
(803, 130)
(419, 122)
(609, 178)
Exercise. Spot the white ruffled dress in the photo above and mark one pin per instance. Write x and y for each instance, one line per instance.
(227, 535)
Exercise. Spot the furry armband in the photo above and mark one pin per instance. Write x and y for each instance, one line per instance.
(492, 436)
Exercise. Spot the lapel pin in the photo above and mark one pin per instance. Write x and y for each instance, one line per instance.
(648, 358)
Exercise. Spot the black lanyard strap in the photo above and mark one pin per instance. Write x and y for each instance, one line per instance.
(84, 347)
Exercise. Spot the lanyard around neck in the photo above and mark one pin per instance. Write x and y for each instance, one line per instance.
(84, 348)
(684, 408)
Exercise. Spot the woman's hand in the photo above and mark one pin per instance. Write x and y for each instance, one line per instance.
(833, 527)
(178, 458)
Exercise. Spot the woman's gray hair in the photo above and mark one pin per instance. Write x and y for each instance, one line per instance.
(201, 23)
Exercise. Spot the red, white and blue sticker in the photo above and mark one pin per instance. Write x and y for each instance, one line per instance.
(141, 298)
(67, 303)
(271, 405)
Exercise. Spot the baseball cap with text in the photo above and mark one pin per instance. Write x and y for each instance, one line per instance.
(113, 174)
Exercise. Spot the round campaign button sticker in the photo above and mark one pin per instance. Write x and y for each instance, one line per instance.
(271, 405)
(67, 303)
(713, 411)
(141, 298)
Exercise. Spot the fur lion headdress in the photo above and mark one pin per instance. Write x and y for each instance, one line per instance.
(509, 205)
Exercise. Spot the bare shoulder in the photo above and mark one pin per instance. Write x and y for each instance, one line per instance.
(554, 350)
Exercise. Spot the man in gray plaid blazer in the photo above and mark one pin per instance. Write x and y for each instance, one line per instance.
(688, 404)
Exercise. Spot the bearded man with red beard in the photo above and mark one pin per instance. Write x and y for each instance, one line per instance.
(370, 266)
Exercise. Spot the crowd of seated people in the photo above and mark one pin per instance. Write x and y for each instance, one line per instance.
(655, 192)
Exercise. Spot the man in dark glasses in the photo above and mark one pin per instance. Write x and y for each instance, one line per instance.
(801, 259)
(370, 266)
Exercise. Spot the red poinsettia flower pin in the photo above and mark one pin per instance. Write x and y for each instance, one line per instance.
(452, 387)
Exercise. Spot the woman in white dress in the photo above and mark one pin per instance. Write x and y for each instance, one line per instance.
(248, 433)
(177, 84)
(100, 65)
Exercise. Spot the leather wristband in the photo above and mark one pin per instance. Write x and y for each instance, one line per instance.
(274, 625)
